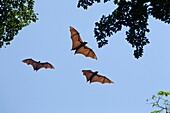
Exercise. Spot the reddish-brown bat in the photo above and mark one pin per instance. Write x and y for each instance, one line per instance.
(79, 46)
(94, 77)
(37, 65)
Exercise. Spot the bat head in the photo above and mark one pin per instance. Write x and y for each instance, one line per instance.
(84, 43)
(95, 73)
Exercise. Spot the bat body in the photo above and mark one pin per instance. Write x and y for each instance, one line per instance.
(79, 46)
(95, 77)
(37, 65)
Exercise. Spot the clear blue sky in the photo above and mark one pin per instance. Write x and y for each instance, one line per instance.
(64, 90)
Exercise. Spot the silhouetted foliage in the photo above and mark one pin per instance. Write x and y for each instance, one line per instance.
(14, 15)
(160, 101)
(133, 14)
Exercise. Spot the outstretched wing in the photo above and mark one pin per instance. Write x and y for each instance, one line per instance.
(37, 65)
(87, 73)
(30, 62)
(47, 65)
(88, 52)
(76, 39)
(101, 79)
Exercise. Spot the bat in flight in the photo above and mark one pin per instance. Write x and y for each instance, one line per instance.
(94, 77)
(79, 46)
(37, 65)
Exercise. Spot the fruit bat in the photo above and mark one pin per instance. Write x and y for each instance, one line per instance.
(94, 77)
(37, 65)
(79, 46)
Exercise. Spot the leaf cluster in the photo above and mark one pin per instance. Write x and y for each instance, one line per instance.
(160, 100)
(86, 3)
(133, 14)
(14, 15)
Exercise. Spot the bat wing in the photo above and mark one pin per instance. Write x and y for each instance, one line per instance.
(76, 39)
(87, 73)
(30, 62)
(101, 79)
(88, 52)
(47, 65)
